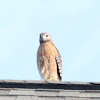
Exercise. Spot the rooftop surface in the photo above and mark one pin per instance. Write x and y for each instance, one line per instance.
(41, 90)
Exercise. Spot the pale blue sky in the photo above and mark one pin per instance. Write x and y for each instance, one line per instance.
(74, 26)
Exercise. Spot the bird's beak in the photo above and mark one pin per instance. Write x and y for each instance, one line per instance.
(42, 37)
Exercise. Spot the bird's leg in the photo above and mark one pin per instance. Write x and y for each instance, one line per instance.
(48, 81)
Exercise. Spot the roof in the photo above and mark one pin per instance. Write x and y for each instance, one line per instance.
(41, 90)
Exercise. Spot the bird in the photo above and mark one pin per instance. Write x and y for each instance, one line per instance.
(49, 60)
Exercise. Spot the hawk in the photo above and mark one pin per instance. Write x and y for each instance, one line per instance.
(49, 59)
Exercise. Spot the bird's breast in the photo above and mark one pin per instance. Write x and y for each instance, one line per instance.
(48, 50)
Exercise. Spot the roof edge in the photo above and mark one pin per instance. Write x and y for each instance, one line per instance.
(35, 84)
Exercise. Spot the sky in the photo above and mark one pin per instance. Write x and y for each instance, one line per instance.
(74, 26)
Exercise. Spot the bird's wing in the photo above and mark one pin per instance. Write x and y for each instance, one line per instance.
(59, 65)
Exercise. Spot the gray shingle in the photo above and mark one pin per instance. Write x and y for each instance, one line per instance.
(45, 93)
(95, 83)
(34, 97)
(89, 95)
(1, 81)
(73, 90)
(96, 98)
(13, 81)
(24, 98)
(23, 92)
(51, 98)
(7, 97)
(24, 89)
(54, 90)
(92, 91)
(69, 94)
(4, 92)
(84, 83)
(32, 81)
(77, 98)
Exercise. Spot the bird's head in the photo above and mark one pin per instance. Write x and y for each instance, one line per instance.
(45, 37)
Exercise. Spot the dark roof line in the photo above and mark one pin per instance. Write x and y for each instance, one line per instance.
(30, 84)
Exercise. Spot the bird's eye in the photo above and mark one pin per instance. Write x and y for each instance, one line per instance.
(46, 35)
